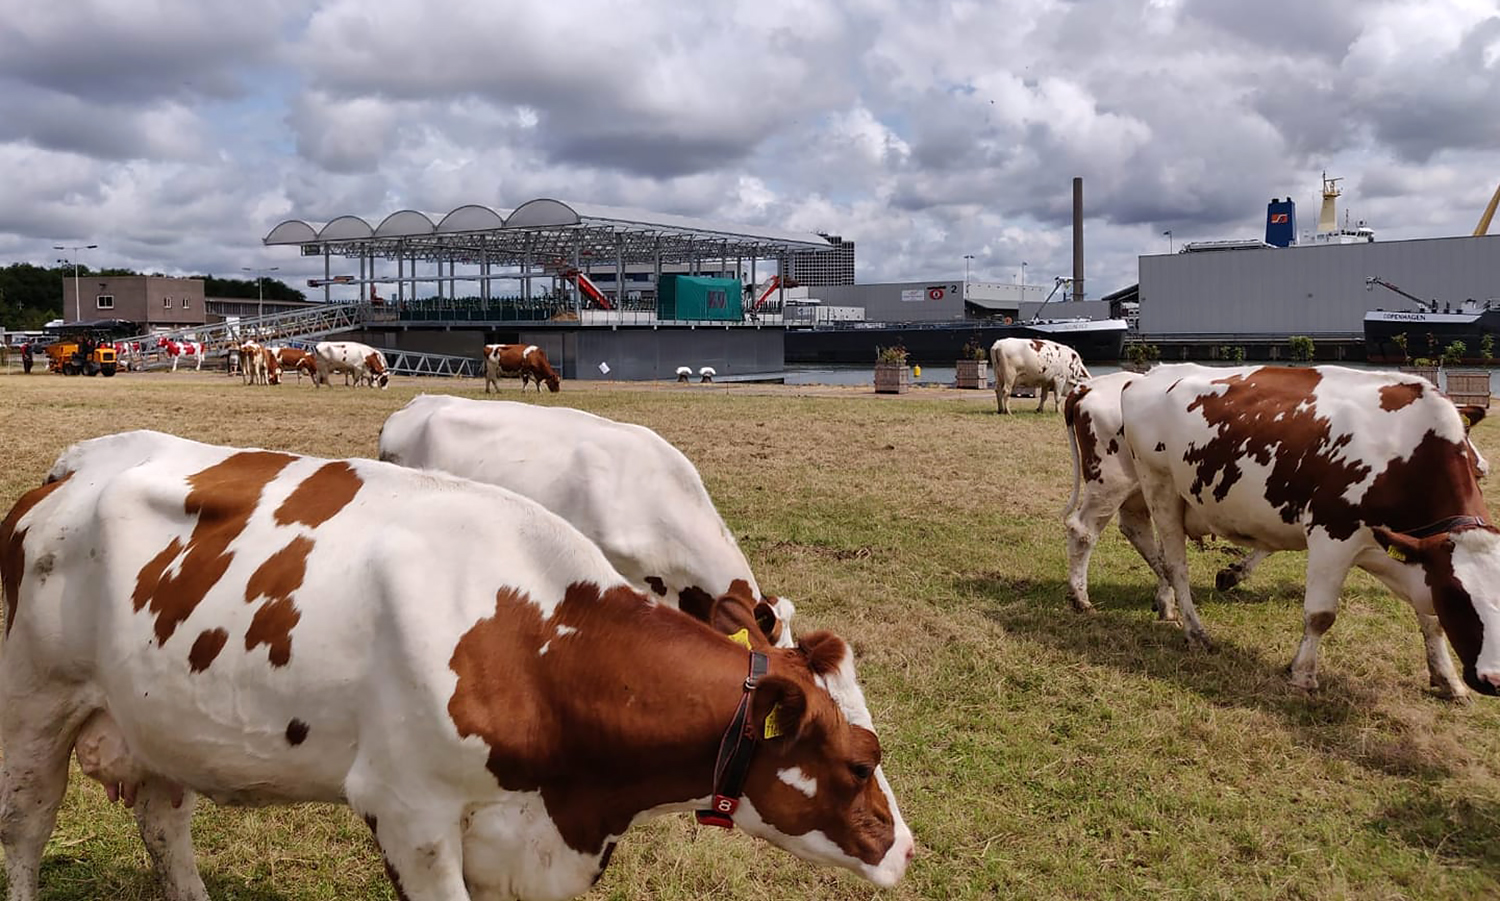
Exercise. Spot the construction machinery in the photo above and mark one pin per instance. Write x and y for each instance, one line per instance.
(1483, 228)
(81, 352)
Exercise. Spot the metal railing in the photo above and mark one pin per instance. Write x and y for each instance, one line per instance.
(287, 327)
(410, 362)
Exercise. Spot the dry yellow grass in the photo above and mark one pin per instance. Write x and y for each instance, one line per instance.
(1036, 753)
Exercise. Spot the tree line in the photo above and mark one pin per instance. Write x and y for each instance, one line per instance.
(32, 295)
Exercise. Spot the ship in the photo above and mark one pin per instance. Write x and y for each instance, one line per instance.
(1398, 336)
(940, 343)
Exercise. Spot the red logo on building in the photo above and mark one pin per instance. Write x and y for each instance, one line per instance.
(934, 293)
(1278, 218)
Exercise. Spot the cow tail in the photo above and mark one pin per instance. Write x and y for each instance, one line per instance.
(1072, 451)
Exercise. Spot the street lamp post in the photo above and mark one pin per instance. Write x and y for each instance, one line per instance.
(77, 297)
(260, 287)
(967, 258)
(1023, 279)
(1168, 233)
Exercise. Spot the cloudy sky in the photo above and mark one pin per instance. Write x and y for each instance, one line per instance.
(176, 133)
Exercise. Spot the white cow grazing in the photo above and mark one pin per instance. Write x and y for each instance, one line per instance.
(622, 485)
(468, 677)
(1034, 363)
(363, 362)
(1367, 469)
(1104, 483)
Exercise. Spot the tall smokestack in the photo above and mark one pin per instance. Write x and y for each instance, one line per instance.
(1078, 239)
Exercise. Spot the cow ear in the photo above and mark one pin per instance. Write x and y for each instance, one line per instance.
(825, 652)
(1472, 416)
(739, 618)
(1402, 547)
(770, 623)
(779, 709)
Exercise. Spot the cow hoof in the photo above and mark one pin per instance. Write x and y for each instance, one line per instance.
(1304, 681)
(1083, 606)
(1226, 579)
(1458, 693)
(1199, 641)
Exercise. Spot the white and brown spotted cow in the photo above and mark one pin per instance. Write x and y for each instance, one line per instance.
(527, 361)
(1360, 468)
(469, 677)
(1104, 483)
(361, 361)
(622, 485)
(296, 360)
(258, 364)
(1034, 363)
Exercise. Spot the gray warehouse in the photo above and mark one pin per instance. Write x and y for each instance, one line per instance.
(1261, 294)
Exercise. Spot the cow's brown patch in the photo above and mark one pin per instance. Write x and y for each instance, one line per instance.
(658, 585)
(296, 732)
(372, 363)
(658, 717)
(1394, 397)
(695, 602)
(210, 642)
(1436, 481)
(275, 580)
(1161, 446)
(1264, 415)
(13, 546)
(222, 497)
(1078, 418)
(320, 496)
(1037, 344)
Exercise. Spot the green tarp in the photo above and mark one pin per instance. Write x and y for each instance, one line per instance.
(687, 297)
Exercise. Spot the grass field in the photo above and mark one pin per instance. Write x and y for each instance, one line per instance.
(1036, 753)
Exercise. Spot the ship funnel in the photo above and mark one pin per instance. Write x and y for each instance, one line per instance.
(1281, 222)
(1078, 239)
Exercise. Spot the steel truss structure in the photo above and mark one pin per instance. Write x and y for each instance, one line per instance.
(541, 238)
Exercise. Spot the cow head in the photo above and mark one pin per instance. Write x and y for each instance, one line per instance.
(553, 383)
(816, 788)
(1462, 569)
(766, 622)
(375, 363)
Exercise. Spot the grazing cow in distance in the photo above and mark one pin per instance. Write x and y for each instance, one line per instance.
(296, 360)
(252, 363)
(1034, 363)
(1105, 483)
(363, 362)
(642, 501)
(525, 360)
(178, 349)
(219, 621)
(1359, 468)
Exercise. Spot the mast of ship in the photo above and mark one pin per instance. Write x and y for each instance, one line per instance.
(1328, 217)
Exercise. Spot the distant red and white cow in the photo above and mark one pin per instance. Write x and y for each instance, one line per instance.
(363, 362)
(1104, 483)
(511, 360)
(1034, 363)
(1360, 468)
(624, 486)
(178, 349)
(296, 360)
(470, 678)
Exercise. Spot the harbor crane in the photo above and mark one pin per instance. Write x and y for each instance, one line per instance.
(1427, 306)
(1483, 228)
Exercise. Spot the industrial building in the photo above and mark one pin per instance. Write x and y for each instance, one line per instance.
(156, 302)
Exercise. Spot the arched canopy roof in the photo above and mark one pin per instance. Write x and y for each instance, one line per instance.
(541, 230)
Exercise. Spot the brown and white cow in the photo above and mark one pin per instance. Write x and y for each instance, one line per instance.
(511, 360)
(470, 678)
(1104, 483)
(623, 486)
(258, 364)
(296, 360)
(363, 362)
(1359, 468)
(1034, 363)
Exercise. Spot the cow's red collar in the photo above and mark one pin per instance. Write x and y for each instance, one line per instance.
(1451, 524)
(736, 749)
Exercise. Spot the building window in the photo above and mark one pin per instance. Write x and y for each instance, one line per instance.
(104, 301)
(166, 303)
(185, 303)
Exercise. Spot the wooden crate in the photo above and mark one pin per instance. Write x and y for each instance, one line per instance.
(892, 378)
(1469, 386)
(972, 373)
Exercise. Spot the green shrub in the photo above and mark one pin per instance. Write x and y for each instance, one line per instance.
(1302, 348)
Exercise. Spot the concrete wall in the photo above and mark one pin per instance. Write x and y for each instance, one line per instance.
(632, 353)
(1313, 290)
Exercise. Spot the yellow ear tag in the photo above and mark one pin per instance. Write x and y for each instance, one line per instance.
(773, 722)
(1395, 553)
(742, 638)
(1465, 418)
